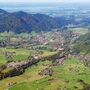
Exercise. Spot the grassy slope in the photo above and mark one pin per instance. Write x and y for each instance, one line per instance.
(30, 75)
(63, 77)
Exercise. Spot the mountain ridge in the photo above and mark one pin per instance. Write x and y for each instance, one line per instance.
(23, 22)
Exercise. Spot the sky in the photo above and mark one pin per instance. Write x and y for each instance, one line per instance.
(12, 1)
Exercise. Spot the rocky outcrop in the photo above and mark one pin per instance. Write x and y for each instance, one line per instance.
(17, 68)
(46, 71)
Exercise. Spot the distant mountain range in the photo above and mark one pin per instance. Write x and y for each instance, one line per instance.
(20, 21)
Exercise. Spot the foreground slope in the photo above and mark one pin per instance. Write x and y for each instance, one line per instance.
(73, 75)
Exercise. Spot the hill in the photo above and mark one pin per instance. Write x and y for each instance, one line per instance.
(23, 22)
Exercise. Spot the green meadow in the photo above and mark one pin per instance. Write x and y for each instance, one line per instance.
(73, 75)
(81, 31)
(20, 54)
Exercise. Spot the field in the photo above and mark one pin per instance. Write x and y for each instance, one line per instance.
(20, 54)
(80, 31)
(73, 75)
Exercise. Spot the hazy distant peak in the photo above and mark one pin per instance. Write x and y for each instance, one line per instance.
(20, 13)
(2, 11)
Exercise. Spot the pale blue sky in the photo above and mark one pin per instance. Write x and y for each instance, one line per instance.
(5, 1)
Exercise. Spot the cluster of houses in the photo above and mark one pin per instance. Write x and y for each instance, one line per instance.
(53, 40)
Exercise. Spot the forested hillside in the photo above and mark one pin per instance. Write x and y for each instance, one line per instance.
(20, 21)
(23, 22)
(83, 43)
